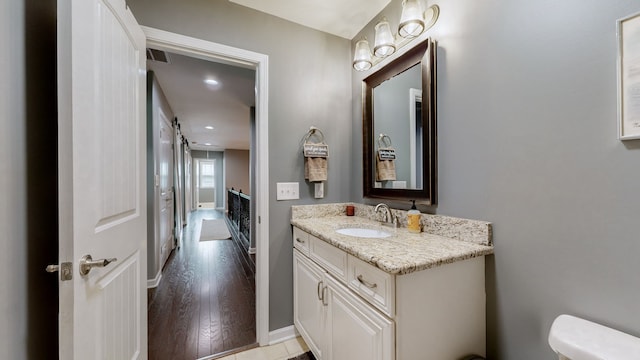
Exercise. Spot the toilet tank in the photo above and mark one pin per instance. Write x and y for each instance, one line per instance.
(578, 339)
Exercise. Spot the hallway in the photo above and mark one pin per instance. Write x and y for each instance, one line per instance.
(205, 303)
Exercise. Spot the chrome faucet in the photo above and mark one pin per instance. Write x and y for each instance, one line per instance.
(386, 213)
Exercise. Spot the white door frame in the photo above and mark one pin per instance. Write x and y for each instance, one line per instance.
(185, 45)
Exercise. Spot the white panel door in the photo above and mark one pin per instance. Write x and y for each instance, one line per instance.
(188, 197)
(308, 310)
(354, 329)
(165, 203)
(102, 197)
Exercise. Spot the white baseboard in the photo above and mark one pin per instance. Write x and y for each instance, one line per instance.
(151, 283)
(283, 334)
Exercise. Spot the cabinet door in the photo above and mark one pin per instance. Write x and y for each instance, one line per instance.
(355, 330)
(308, 311)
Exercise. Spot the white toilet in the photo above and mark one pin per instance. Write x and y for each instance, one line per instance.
(573, 338)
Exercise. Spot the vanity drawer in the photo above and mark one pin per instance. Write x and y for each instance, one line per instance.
(329, 257)
(372, 284)
(301, 240)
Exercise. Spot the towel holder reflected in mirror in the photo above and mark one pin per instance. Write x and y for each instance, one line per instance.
(399, 100)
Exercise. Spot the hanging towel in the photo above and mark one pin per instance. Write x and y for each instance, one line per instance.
(315, 169)
(385, 159)
(385, 168)
(315, 156)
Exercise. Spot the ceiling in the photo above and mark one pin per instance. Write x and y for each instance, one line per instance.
(226, 106)
(344, 18)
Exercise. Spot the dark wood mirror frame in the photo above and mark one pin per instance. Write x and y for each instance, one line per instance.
(425, 55)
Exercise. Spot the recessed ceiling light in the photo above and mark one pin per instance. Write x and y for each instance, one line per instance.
(211, 82)
(209, 127)
(208, 144)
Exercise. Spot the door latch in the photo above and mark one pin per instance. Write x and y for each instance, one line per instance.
(65, 269)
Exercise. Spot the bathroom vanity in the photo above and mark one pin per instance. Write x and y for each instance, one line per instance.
(395, 295)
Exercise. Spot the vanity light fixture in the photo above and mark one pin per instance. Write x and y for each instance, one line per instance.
(413, 22)
(385, 42)
(362, 57)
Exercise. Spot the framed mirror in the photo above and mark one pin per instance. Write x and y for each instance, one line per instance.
(399, 128)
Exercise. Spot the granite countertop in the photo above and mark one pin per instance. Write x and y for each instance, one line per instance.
(401, 253)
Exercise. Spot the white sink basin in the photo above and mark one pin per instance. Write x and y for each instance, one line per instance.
(364, 233)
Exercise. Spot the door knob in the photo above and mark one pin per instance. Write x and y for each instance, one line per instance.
(87, 263)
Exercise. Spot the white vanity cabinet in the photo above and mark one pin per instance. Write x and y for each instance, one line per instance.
(309, 312)
(354, 329)
(334, 322)
(346, 308)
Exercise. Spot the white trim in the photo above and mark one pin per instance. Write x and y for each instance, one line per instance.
(207, 50)
(153, 283)
(414, 96)
(252, 250)
(283, 334)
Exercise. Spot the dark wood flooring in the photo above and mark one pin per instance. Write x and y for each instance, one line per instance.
(205, 303)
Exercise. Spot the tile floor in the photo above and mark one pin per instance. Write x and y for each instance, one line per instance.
(281, 351)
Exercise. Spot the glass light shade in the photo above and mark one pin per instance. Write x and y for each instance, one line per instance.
(384, 45)
(362, 56)
(412, 20)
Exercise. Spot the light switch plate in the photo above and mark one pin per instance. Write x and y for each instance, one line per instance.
(287, 191)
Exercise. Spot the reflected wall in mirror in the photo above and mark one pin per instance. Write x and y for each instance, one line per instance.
(399, 128)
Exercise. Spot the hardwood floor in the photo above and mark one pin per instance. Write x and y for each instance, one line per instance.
(205, 303)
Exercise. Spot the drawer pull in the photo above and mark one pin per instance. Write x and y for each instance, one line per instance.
(366, 283)
(324, 292)
(318, 290)
(300, 241)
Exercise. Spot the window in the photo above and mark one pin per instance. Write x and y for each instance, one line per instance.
(207, 175)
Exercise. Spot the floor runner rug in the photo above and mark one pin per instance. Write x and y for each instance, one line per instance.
(214, 230)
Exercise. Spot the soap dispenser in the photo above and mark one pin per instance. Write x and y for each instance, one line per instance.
(413, 219)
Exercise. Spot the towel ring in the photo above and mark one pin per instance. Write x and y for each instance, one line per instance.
(385, 140)
(314, 131)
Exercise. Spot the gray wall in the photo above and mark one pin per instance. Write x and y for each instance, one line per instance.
(28, 179)
(156, 101)
(13, 253)
(206, 195)
(307, 86)
(527, 140)
(236, 170)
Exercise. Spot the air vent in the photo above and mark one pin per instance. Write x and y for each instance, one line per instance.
(158, 55)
